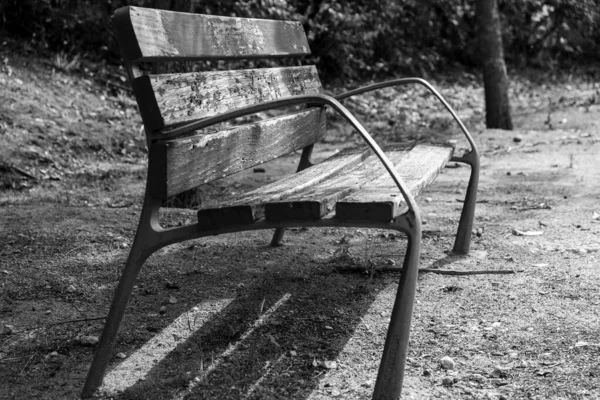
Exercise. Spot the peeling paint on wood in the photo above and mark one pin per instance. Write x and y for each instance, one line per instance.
(180, 36)
(192, 96)
(193, 161)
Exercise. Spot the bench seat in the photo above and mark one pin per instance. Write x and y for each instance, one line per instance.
(352, 185)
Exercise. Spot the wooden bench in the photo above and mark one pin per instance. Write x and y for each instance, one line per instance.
(355, 188)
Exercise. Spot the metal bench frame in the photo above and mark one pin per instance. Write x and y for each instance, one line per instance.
(150, 236)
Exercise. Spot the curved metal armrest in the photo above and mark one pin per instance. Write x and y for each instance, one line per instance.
(419, 81)
(319, 99)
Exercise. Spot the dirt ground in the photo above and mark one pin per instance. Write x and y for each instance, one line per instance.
(229, 317)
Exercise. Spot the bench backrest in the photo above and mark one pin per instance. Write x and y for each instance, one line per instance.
(168, 100)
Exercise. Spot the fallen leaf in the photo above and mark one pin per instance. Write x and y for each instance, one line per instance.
(517, 232)
(272, 340)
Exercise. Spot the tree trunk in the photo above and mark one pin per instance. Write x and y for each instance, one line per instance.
(495, 78)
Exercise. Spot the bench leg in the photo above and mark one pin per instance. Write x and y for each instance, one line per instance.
(277, 237)
(140, 250)
(462, 242)
(303, 164)
(391, 369)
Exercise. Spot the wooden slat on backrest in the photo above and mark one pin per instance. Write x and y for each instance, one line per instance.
(167, 100)
(186, 163)
(175, 98)
(149, 35)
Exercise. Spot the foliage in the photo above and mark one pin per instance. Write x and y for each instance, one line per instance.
(350, 40)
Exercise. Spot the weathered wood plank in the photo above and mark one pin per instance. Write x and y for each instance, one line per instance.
(250, 206)
(186, 97)
(319, 200)
(192, 161)
(151, 35)
(380, 200)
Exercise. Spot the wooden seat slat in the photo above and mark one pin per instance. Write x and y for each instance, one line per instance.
(189, 162)
(249, 207)
(171, 99)
(154, 35)
(380, 200)
(319, 200)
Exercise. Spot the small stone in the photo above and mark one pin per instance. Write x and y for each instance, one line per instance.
(480, 254)
(498, 373)
(8, 329)
(121, 355)
(54, 354)
(5, 272)
(88, 340)
(517, 139)
(71, 289)
(447, 363)
(172, 300)
(476, 378)
(328, 327)
(162, 310)
(448, 381)
(428, 199)
(329, 364)
(293, 353)
(367, 384)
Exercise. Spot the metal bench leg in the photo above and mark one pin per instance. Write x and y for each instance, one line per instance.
(391, 369)
(465, 225)
(277, 237)
(140, 250)
(303, 164)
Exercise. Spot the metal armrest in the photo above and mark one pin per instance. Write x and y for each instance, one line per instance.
(316, 99)
(402, 81)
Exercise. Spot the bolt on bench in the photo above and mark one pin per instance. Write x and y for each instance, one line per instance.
(365, 187)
